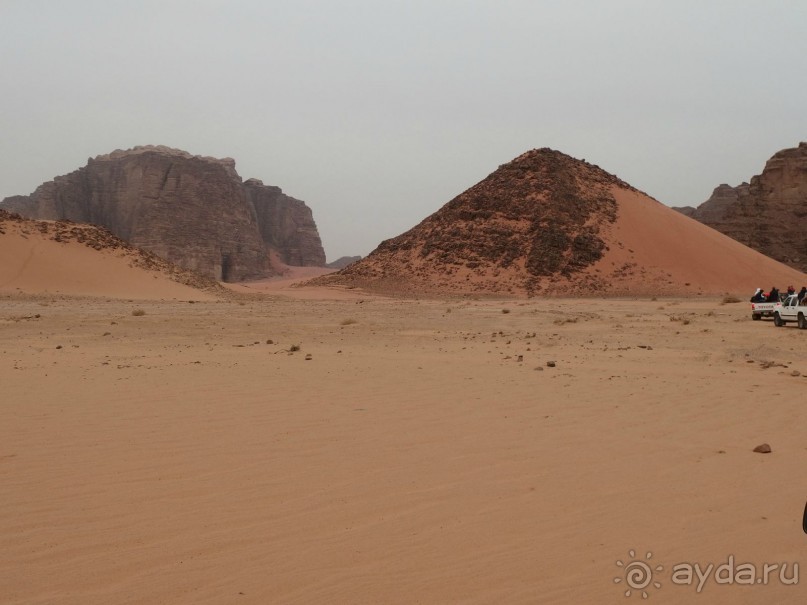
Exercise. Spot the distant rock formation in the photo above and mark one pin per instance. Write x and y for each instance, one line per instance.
(286, 224)
(343, 261)
(191, 210)
(769, 214)
(548, 224)
(685, 210)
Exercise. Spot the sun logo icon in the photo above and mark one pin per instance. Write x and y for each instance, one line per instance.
(638, 574)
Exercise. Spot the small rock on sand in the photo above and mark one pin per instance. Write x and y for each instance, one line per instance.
(763, 449)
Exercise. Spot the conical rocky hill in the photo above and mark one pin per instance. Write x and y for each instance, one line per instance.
(547, 223)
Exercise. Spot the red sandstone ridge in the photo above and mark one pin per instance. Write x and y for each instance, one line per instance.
(548, 224)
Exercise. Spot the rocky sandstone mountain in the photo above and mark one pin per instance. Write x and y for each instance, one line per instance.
(769, 214)
(191, 210)
(548, 224)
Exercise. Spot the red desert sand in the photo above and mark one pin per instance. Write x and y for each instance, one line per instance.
(314, 445)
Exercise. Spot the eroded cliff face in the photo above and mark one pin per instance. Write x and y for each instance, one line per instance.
(286, 224)
(769, 214)
(191, 210)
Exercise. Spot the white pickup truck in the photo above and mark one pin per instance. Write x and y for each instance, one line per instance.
(762, 309)
(790, 310)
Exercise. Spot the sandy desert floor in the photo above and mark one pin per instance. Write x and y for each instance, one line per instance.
(410, 451)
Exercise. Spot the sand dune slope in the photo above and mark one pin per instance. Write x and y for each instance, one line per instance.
(41, 257)
(653, 249)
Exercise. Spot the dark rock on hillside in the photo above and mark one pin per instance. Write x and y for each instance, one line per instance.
(536, 217)
(769, 214)
(191, 210)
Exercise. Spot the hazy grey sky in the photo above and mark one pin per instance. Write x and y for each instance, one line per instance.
(377, 112)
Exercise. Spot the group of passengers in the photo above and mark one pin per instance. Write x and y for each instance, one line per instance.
(774, 296)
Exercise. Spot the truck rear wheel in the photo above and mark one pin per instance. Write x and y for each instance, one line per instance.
(802, 321)
(756, 316)
(777, 320)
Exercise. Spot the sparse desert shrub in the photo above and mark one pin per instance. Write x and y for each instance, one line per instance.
(347, 322)
(505, 311)
(294, 348)
(138, 312)
(729, 299)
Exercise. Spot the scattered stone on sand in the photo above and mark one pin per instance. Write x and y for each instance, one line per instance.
(763, 449)
(550, 364)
